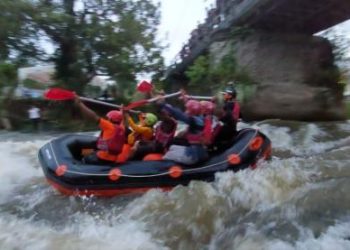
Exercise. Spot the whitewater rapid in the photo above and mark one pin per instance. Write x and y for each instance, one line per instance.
(298, 200)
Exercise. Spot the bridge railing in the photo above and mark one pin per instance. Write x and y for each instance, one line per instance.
(230, 14)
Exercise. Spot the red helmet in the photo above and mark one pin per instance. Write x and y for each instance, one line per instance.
(207, 107)
(115, 116)
(193, 107)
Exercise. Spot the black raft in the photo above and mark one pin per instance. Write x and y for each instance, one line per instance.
(60, 160)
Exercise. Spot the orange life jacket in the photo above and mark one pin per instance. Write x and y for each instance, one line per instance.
(114, 144)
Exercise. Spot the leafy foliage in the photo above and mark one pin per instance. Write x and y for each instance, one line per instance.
(8, 80)
(29, 83)
(18, 37)
(8, 74)
(207, 79)
(199, 73)
(89, 37)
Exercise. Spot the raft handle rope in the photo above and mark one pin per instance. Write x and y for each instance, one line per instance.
(153, 175)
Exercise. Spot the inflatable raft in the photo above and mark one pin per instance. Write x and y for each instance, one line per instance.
(60, 161)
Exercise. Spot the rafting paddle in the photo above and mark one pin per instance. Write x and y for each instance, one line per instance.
(58, 94)
(146, 101)
(200, 97)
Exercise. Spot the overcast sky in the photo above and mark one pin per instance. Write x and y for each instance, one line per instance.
(178, 19)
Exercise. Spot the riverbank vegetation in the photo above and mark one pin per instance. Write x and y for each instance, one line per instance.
(110, 38)
(114, 38)
(208, 75)
(82, 40)
(205, 78)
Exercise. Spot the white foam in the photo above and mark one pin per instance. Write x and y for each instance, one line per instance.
(18, 164)
(249, 237)
(87, 233)
(271, 184)
(336, 237)
(187, 216)
(304, 140)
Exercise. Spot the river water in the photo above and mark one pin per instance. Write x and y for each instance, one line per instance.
(298, 200)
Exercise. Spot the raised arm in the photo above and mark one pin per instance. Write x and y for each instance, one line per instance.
(176, 113)
(90, 114)
(135, 127)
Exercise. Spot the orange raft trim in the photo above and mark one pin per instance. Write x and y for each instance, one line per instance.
(115, 174)
(61, 170)
(175, 171)
(256, 143)
(103, 192)
(234, 159)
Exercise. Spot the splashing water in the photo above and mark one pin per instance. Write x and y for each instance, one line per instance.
(298, 200)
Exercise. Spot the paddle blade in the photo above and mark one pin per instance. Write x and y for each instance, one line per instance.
(144, 86)
(136, 104)
(58, 94)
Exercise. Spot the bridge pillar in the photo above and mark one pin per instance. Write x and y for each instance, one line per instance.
(295, 75)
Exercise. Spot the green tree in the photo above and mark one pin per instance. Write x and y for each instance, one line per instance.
(199, 73)
(207, 78)
(89, 37)
(8, 81)
(8, 75)
(17, 37)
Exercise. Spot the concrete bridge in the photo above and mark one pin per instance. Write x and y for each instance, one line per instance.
(292, 16)
(294, 71)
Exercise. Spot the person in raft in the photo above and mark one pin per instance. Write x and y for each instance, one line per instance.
(142, 133)
(164, 132)
(111, 141)
(229, 117)
(192, 150)
(212, 125)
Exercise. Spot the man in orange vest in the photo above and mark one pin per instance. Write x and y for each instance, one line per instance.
(111, 143)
